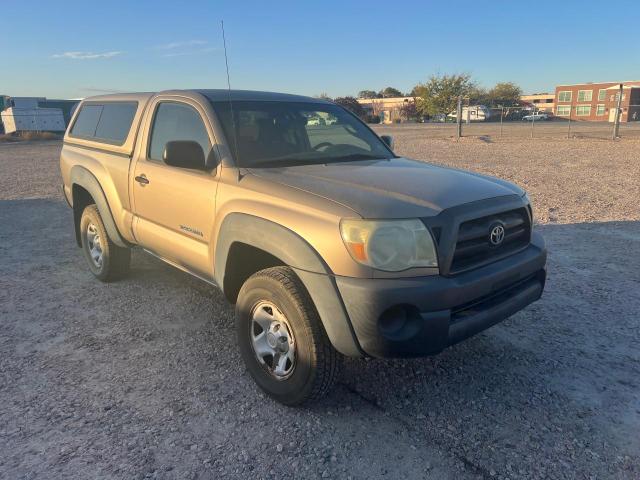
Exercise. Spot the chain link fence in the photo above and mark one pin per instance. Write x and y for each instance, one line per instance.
(523, 122)
(529, 121)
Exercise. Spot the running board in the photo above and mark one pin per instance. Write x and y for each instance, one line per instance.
(180, 267)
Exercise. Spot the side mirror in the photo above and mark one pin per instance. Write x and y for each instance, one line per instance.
(212, 160)
(184, 154)
(388, 139)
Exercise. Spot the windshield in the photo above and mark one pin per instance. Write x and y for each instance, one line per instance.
(278, 134)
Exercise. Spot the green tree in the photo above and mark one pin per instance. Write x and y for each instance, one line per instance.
(351, 104)
(415, 91)
(439, 94)
(367, 94)
(505, 94)
(390, 92)
(479, 96)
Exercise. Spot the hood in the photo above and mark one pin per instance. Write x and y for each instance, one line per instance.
(394, 188)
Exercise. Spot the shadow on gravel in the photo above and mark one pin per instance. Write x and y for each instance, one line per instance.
(551, 392)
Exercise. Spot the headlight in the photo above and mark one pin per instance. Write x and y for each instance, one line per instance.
(389, 245)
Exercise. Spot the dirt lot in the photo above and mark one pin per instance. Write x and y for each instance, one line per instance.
(141, 378)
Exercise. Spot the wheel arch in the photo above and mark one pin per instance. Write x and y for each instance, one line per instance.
(257, 243)
(243, 260)
(85, 189)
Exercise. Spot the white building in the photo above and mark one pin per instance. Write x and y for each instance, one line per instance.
(24, 115)
(388, 109)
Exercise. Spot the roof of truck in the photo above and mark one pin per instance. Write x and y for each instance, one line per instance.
(215, 95)
(222, 95)
(121, 97)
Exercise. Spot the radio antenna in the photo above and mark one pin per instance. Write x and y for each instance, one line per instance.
(233, 119)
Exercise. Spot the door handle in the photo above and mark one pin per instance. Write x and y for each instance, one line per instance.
(142, 179)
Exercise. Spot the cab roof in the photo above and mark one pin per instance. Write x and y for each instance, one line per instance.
(219, 95)
(214, 95)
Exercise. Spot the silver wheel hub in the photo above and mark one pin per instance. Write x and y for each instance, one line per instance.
(94, 244)
(272, 340)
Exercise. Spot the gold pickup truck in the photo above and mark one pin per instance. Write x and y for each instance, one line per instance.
(327, 242)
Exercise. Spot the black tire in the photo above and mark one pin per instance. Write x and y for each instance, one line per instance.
(115, 260)
(317, 363)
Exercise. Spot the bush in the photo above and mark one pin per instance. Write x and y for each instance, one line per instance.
(7, 138)
(26, 136)
(40, 136)
(372, 118)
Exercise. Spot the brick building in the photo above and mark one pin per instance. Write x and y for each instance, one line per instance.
(597, 101)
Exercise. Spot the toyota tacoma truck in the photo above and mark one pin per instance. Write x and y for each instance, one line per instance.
(327, 243)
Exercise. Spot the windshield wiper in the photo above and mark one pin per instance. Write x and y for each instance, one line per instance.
(290, 161)
(354, 156)
(285, 162)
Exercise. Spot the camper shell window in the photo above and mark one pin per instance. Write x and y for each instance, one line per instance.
(107, 122)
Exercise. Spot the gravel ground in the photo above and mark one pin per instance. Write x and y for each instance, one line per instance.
(141, 378)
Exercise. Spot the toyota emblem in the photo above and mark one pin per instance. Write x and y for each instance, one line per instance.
(497, 235)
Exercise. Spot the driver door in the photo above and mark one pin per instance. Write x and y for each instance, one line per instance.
(174, 208)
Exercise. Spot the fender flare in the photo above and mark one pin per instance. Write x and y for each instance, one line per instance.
(84, 178)
(296, 253)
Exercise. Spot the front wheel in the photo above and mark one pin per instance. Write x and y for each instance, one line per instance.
(281, 338)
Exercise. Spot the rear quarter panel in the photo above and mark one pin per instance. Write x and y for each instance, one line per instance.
(112, 172)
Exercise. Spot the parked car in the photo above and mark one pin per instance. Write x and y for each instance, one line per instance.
(438, 118)
(537, 116)
(311, 121)
(327, 242)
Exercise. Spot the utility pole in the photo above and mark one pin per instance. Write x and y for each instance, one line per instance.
(459, 118)
(533, 118)
(616, 122)
(501, 117)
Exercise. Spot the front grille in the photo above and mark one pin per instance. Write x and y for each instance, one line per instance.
(476, 306)
(474, 247)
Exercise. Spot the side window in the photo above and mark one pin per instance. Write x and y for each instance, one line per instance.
(87, 121)
(176, 121)
(115, 121)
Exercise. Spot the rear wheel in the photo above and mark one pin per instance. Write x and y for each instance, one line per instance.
(281, 338)
(106, 260)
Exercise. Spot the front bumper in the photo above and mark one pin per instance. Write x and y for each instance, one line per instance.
(411, 317)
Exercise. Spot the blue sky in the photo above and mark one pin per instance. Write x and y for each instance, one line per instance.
(74, 48)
